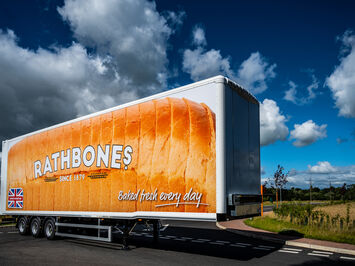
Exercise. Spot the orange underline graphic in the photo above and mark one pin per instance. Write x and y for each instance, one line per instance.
(181, 203)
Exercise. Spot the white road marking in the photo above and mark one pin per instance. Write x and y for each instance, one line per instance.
(187, 238)
(347, 258)
(216, 243)
(12, 232)
(148, 236)
(238, 246)
(245, 244)
(319, 255)
(266, 246)
(1, 232)
(198, 241)
(169, 236)
(164, 237)
(137, 234)
(202, 239)
(292, 249)
(322, 252)
(224, 242)
(288, 251)
(261, 248)
(96, 243)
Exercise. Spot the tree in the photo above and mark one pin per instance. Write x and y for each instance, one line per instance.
(265, 183)
(280, 179)
(272, 188)
(343, 191)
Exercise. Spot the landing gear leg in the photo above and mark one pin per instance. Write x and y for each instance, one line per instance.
(127, 229)
(156, 232)
(125, 241)
(125, 236)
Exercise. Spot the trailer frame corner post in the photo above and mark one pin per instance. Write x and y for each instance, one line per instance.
(3, 177)
(262, 199)
(221, 207)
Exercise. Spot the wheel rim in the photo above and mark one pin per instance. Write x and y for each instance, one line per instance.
(35, 227)
(22, 226)
(49, 229)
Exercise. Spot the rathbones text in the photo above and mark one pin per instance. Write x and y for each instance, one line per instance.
(73, 158)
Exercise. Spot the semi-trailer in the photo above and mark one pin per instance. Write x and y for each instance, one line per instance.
(190, 153)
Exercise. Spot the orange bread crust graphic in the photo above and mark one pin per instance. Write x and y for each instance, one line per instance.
(156, 156)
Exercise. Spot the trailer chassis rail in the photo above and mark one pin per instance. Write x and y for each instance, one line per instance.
(90, 226)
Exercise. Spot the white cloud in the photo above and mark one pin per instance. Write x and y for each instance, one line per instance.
(175, 20)
(262, 170)
(291, 93)
(40, 88)
(341, 140)
(253, 73)
(202, 64)
(128, 59)
(342, 81)
(322, 168)
(199, 36)
(272, 123)
(307, 133)
(313, 86)
(337, 175)
(133, 33)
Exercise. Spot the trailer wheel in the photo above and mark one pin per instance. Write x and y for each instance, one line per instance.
(49, 229)
(35, 227)
(22, 226)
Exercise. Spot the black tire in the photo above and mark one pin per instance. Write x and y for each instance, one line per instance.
(49, 229)
(22, 226)
(35, 227)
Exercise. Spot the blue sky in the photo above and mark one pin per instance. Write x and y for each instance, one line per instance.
(62, 59)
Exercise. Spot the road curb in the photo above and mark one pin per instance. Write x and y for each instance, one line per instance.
(221, 226)
(319, 247)
(289, 242)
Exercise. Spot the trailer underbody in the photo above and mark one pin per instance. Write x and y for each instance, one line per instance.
(85, 228)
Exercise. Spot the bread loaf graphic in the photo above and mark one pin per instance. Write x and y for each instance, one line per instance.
(138, 158)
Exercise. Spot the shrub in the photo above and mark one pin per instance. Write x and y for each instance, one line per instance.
(305, 215)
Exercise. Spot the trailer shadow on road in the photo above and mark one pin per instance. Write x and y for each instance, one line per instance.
(177, 245)
(213, 243)
(203, 241)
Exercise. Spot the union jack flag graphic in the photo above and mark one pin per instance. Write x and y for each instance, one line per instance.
(15, 198)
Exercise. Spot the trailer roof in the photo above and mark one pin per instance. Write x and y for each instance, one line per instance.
(242, 92)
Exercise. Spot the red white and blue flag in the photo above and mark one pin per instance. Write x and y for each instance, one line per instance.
(15, 198)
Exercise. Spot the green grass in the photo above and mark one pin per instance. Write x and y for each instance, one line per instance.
(322, 202)
(268, 203)
(276, 225)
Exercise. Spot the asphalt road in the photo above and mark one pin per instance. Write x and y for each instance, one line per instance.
(268, 208)
(181, 243)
